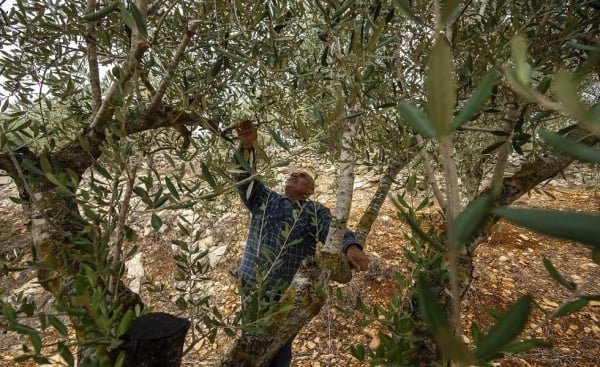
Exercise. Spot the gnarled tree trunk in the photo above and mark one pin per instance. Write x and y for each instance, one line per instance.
(56, 228)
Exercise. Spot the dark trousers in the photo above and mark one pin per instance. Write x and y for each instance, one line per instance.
(283, 357)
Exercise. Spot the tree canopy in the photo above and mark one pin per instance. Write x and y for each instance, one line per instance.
(89, 89)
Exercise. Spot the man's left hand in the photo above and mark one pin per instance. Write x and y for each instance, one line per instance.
(357, 258)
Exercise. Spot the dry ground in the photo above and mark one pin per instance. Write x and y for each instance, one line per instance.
(508, 265)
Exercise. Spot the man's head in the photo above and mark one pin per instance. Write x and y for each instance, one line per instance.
(299, 185)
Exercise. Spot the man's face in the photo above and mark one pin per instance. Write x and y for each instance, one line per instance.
(299, 185)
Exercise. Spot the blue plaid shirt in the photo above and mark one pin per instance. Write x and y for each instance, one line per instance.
(281, 233)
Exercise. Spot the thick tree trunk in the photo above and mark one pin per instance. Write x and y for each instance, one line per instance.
(56, 229)
(54, 222)
(303, 299)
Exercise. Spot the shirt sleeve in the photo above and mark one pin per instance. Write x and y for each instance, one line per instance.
(324, 220)
(251, 190)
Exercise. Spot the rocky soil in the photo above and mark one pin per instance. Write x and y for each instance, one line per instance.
(508, 265)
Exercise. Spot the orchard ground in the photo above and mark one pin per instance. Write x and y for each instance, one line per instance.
(508, 265)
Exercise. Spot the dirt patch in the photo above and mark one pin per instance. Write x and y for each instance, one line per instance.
(508, 265)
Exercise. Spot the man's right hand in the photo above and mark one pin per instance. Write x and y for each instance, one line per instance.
(247, 133)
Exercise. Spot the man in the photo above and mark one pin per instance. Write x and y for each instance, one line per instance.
(284, 230)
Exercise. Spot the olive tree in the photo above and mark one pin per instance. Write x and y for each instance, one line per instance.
(91, 89)
(490, 72)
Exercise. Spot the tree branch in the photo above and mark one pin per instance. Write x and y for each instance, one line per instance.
(118, 236)
(78, 155)
(104, 114)
(92, 52)
(157, 98)
(385, 183)
(345, 187)
(502, 155)
(545, 167)
(451, 210)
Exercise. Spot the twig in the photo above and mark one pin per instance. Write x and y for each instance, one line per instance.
(502, 155)
(119, 235)
(592, 279)
(439, 196)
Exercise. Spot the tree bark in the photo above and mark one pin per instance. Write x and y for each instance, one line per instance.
(529, 176)
(304, 298)
(331, 258)
(345, 187)
(385, 183)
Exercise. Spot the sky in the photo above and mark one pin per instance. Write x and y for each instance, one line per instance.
(6, 4)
